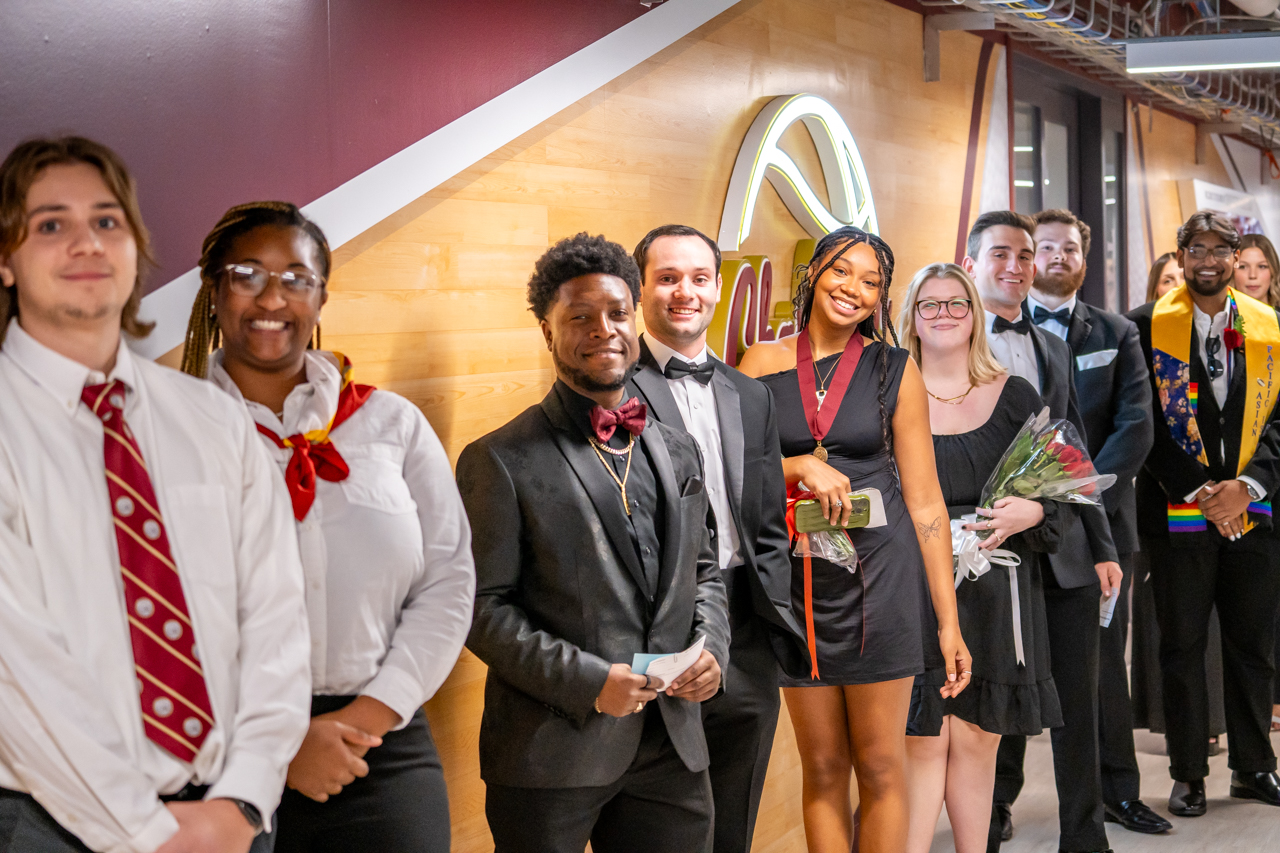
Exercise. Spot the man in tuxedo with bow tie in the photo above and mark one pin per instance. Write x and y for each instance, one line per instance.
(1001, 258)
(1111, 384)
(590, 529)
(731, 417)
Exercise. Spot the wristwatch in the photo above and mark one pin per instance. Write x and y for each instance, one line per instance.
(1254, 494)
(251, 814)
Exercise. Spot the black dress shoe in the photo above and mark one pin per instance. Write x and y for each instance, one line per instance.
(1137, 816)
(1002, 813)
(1187, 799)
(1256, 786)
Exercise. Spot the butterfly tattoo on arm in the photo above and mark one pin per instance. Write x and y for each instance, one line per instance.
(931, 530)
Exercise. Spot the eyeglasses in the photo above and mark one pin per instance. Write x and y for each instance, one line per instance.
(249, 280)
(1219, 252)
(956, 309)
(1211, 348)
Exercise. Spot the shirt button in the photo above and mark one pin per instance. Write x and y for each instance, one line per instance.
(646, 552)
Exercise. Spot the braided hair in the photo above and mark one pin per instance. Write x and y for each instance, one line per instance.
(829, 250)
(203, 334)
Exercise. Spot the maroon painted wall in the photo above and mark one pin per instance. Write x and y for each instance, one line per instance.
(217, 102)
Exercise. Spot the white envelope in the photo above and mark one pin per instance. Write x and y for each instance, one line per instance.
(1101, 358)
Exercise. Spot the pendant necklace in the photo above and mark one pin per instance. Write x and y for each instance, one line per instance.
(950, 401)
(599, 446)
(821, 392)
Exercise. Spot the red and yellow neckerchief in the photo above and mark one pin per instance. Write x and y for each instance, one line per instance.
(313, 453)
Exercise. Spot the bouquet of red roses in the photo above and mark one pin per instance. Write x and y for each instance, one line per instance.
(1047, 459)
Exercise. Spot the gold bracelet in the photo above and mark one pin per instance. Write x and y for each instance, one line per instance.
(596, 705)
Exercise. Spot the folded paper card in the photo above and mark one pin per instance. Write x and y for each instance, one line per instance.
(664, 669)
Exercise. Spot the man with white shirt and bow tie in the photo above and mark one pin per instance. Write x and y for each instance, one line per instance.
(731, 417)
(1111, 384)
(153, 634)
(1001, 254)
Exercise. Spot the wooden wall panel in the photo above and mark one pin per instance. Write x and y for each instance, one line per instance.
(1169, 144)
(430, 303)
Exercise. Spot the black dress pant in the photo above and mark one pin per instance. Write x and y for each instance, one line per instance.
(1073, 650)
(740, 722)
(1244, 584)
(25, 827)
(401, 805)
(1117, 757)
(657, 806)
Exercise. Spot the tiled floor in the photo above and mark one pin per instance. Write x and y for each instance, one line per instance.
(1230, 826)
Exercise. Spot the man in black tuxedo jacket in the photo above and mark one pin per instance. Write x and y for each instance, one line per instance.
(1112, 386)
(1001, 259)
(731, 417)
(1193, 571)
(590, 529)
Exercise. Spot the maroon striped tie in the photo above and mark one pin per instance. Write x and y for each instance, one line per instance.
(176, 713)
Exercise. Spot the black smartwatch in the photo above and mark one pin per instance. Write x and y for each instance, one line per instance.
(251, 814)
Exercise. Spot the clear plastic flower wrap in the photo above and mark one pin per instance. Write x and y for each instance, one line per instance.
(1047, 460)
(830, 543)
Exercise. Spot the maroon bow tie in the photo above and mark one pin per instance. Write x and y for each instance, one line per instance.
(630, 416)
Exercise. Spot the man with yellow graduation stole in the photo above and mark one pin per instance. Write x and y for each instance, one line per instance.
(1204, 505)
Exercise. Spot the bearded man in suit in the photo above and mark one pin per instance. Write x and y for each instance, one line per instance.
(591, 534)
(1204, 509)
(1111, 384)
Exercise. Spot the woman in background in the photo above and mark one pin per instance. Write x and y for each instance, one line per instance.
(852, 414)
(975, 411)
(385, 543)
(1258, 274)
(1257, 270)
(1165, 275)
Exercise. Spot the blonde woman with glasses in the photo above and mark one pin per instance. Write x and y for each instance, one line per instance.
(975, 410)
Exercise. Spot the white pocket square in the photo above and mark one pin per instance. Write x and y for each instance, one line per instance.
(1101, 358)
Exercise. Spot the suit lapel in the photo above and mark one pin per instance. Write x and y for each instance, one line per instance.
(656, 446)
(1080, 328)
(729, 415)
(598, 485)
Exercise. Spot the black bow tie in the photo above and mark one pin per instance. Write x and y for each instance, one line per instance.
(1022, 327)
(1062, 315)
(678, 368)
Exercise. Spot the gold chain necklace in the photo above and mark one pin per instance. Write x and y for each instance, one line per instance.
(599, 446)
(950, 401)
(821, 393)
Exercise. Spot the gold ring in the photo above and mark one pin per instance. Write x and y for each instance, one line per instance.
(639, 707)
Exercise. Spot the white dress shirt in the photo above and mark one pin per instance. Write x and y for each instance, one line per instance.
(1016, 352)
(386, 553)
(697, 405)
(70, 721)
(1052, 326)
(1212, 327)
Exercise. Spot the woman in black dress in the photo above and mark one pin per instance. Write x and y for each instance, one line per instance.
(852, 415)
(975, 410)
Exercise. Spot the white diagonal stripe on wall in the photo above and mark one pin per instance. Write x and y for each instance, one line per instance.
(380, 191)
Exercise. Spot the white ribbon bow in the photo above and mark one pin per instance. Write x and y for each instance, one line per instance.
(971, 563)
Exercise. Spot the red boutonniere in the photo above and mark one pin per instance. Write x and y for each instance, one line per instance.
(1233, 335)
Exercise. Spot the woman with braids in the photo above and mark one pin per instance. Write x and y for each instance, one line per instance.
(385, 543)
(852, 416)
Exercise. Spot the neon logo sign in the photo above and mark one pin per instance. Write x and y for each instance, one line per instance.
(742, 317)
